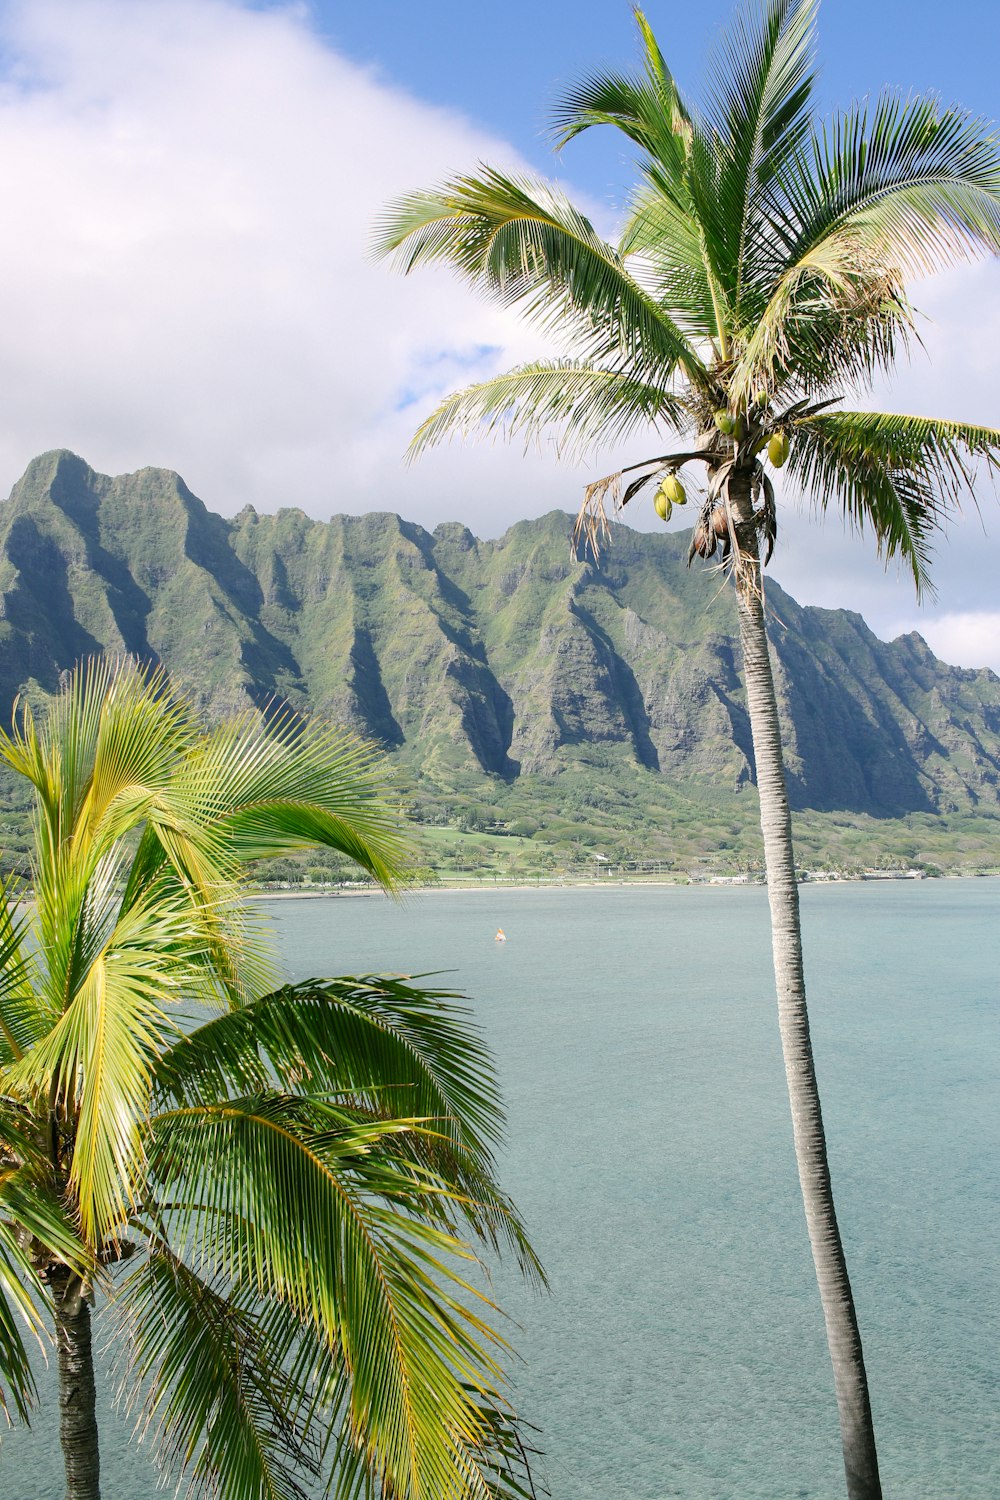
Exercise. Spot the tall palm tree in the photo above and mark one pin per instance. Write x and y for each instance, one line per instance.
(759, 280)
(270, 1191)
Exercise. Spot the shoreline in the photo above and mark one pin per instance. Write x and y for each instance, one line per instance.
(591, 885)
(450, 889)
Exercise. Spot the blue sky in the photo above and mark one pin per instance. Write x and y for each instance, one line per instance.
(504, 64)
(194, 183)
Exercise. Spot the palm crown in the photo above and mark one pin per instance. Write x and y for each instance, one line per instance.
(760, 275)
(271, 1191)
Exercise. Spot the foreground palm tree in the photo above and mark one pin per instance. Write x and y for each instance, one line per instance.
(268, 1190)
(760, 278)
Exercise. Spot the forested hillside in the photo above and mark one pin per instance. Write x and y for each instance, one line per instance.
(503, 668)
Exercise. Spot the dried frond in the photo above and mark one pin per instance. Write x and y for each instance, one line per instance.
(592, 529)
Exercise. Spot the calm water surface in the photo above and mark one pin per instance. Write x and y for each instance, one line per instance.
(681, 1350)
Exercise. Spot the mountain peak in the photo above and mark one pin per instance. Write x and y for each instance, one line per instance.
(501, 656)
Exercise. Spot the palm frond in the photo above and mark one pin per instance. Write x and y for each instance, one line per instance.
(835, 319)
(33, 1224)
(502, 1464)
(253, 787)
(663, 246)
(29, 1200)
(897, 475)
(664, 238)
(385, 1045)
(114, 733)
(577, 405)
(881, 195)
(241, 1397)
(349, 1035)
(206, 1368)
(761, 84)
(143, 731)
(914, 184)
(22, 1020)
(308, 1204)
(524, 244)
(18, 1315)
(278, 784)
(97, 1060)
(650, 111)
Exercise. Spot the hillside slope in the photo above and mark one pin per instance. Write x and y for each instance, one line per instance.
(504, 656)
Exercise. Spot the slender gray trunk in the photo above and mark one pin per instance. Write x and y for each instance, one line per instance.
(77, 1392)
(843, 1337)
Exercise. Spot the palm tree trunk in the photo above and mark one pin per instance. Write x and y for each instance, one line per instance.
(77, 1392)
(843, 1336)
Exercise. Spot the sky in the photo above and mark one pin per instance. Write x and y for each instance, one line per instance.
(185, 280)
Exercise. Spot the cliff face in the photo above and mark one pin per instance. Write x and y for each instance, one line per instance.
(503, 655)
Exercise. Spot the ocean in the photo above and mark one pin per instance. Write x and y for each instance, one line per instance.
(680, 1351)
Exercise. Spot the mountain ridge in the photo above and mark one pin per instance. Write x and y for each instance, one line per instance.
(503, 657)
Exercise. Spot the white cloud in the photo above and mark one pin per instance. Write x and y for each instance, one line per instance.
(189, 188)
(972, 638)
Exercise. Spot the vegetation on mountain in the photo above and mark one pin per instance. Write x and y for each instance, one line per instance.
(267, 1193)
(760, 280)
(599, 701)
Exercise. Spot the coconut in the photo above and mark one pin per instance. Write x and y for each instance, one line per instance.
(777, 449)
(725, 422)
(662, 504)
(674, 490)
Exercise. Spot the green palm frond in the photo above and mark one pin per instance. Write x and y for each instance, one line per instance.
(206, 1368)
(243, 1398)
(112, 736)
(19, 1315)
(270, 786)
(761, 85)
(181, 859)
(874, 201)
(312, 1207)
(97, 1060)
(102, 762)
(28, 1199)
(912, 183)
(501, 1465)
(31, 1219)
(143, 732)
(663, 245)
(893, 474)
(663, 237)
(253, 787)
(22, 1021)
(345, 1038)
(836, 319)
(649, 111)
(524, 244)
(947, 450)
(577, 405)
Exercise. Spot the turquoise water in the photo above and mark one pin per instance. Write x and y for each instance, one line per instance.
(680, 1352)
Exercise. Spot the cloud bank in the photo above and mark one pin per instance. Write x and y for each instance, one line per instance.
(189, 191)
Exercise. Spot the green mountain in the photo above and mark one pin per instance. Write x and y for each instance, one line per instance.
(466, 657)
